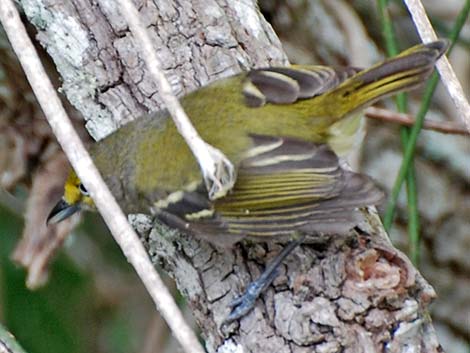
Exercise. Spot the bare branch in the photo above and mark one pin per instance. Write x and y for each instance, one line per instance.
(88, 173)
(449, 79)
(446, 127)
(218, 171)
(8, 344)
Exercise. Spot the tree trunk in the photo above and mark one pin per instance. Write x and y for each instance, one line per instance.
(348, 294)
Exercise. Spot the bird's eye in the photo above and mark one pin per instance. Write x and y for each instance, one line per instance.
(82, 189)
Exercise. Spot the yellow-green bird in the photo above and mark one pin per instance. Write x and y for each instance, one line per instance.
(283, 128)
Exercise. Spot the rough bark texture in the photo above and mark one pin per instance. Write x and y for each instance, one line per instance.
(352, 293)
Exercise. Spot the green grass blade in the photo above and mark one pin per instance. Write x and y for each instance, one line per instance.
(415, 130)
(401, 101)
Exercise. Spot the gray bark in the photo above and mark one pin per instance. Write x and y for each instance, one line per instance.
(351, 293)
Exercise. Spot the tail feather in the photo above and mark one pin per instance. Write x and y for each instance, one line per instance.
(403, 72)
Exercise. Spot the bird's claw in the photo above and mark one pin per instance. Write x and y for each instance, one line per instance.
(243, 304)
(221, 178)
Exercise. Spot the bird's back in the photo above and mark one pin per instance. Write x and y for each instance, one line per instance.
(306, 103)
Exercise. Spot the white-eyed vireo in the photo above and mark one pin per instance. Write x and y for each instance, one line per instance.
(282, 128)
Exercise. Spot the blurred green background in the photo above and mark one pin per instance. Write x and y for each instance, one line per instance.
(71, 313)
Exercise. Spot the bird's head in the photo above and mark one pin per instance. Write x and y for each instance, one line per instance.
(75, 198)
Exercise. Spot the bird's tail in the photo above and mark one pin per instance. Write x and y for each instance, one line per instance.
(400, 73)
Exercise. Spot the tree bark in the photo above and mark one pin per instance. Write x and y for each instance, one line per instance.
(351, 293)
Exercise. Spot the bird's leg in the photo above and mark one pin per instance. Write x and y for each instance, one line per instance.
(243, 304)
(219, 174)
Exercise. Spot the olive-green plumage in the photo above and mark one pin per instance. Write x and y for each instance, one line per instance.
(278, 127)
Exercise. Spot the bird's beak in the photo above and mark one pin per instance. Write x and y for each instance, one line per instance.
(61, 211)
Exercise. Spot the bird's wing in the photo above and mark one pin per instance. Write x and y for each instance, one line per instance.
(283, 186)
(285, 85)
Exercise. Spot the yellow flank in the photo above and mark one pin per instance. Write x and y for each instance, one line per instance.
(347, 134)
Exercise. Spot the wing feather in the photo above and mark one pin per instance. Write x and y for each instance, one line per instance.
(283, 186)
(285, 85)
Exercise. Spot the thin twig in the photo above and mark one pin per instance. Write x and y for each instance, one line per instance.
(8, 343)
(446, 127)
(217, 170)
(449, 79)
(88, 173)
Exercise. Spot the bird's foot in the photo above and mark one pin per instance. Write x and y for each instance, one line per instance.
(219, 177)
(243, 304)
